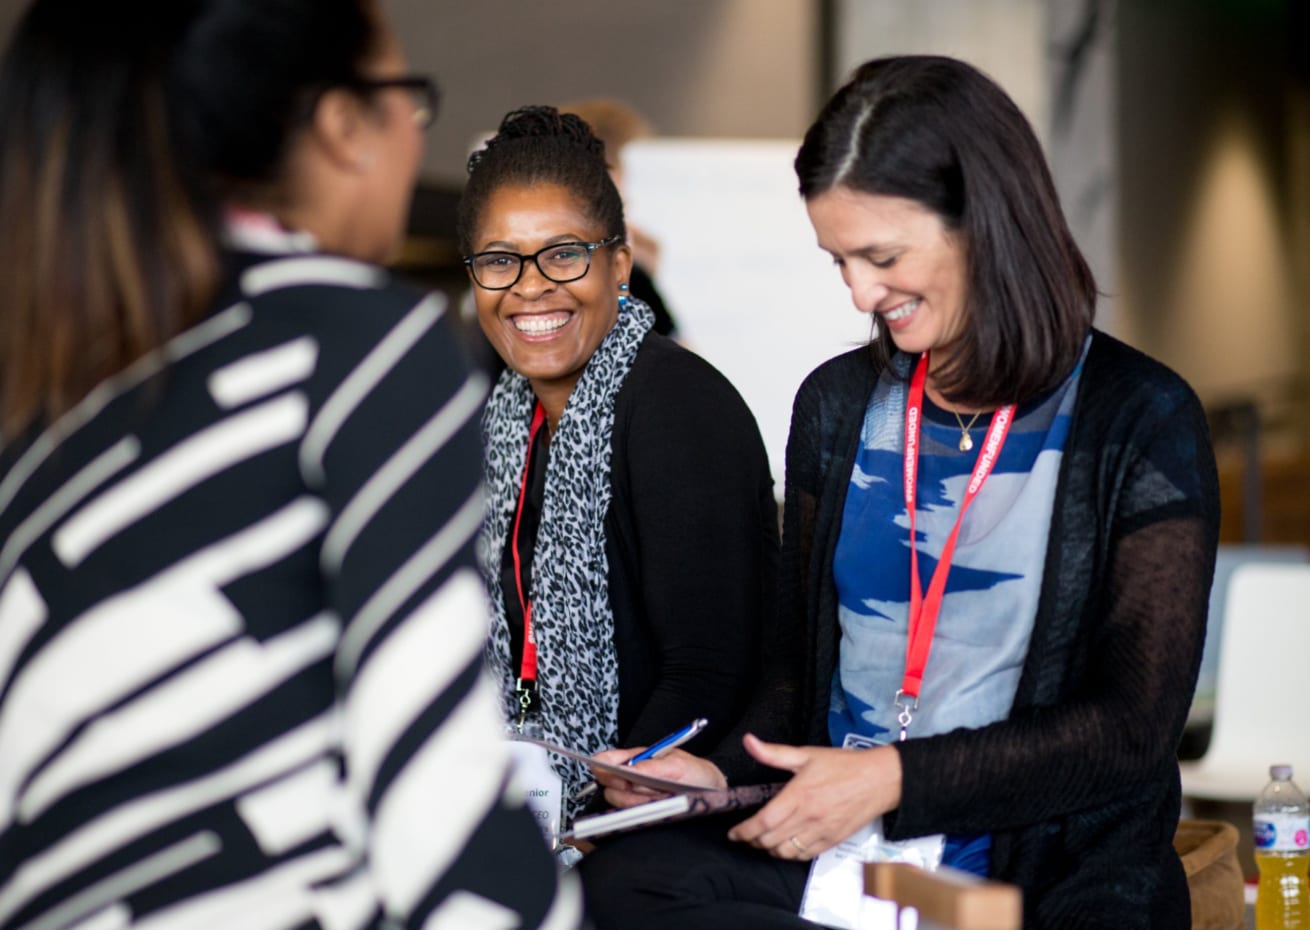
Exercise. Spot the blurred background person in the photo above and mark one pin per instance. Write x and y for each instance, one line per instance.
(1010, 680)
(632, 528)
(241, 628)
(616, 124)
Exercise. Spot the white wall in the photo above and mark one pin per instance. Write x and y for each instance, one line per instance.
(751, 290)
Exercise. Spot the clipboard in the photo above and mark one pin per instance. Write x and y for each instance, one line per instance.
(685, 800)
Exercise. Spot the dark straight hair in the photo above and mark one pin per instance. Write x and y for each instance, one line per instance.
(941, 133)
(122, 137)
(540, 145)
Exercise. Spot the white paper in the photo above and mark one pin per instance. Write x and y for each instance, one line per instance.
(834, 892)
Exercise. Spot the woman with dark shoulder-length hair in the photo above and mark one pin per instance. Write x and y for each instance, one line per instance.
(632, 528)
(999, 535)
(241, 623)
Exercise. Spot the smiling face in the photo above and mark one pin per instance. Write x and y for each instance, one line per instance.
(899, 261)
(544, 330)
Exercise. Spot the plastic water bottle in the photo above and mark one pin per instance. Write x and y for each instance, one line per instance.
(1282, 853)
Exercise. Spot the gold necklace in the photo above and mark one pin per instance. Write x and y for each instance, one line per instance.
(966, 441)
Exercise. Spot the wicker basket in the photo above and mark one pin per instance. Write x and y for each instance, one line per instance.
(1208, 849)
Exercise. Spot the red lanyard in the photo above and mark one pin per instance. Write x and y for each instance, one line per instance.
(925, 608)
(526, 686)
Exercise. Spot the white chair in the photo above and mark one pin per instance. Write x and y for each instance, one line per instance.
(1261, 714)
(1228, 559)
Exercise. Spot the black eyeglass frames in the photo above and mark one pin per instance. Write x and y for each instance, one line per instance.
(422, 88)
(562, 262)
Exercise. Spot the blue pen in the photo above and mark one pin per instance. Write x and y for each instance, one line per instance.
(660, 747)
(672, 741)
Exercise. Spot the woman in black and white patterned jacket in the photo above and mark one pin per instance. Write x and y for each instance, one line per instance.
(632, 528)
(241, 624)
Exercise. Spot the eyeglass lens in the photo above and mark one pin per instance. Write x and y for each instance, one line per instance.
(559, 263)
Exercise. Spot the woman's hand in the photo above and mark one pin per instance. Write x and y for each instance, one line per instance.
(674, 765)
(833, 793)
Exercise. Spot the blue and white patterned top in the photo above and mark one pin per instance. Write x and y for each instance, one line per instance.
(991, 596)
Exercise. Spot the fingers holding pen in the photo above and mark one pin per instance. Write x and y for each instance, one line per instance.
(618, 756)
(674, 765)
(619, 791)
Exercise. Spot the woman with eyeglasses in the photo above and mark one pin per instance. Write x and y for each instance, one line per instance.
(241, 624)
(631, 525)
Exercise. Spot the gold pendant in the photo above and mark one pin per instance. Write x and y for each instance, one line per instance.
(966, 442)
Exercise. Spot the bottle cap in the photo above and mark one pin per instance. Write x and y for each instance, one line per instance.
(1280, 772)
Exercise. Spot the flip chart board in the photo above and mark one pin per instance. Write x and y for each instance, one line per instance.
(739, 266)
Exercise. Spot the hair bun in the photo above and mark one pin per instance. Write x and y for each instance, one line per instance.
(541, 122)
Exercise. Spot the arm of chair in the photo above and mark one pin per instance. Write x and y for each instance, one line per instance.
(948, 898)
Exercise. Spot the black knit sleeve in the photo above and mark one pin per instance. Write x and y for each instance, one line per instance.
(693, 496)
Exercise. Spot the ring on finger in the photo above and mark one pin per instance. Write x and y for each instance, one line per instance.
(800, 847)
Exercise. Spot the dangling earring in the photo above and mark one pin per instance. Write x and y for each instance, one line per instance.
(623, 295)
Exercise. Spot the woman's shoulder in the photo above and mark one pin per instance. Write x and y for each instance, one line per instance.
(343, 314)
(671, 390)
(1123, 378)
(841, 383)
(327, 287)
(346, 307)
(1115, 358)
(671, 369)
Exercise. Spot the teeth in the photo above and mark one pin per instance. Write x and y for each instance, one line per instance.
(539, 326)
(903, 311)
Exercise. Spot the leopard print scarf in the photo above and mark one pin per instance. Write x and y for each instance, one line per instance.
(577, 669)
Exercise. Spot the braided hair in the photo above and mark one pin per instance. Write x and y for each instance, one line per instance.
(540, 145)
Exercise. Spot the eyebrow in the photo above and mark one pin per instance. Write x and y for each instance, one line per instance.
(869, 251)
(504, 245)
(885, 245)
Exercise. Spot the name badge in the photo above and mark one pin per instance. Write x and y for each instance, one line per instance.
(539, 786)
(834, 892)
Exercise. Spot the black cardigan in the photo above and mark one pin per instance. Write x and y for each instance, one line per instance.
(1079, 785)
(692, 541)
